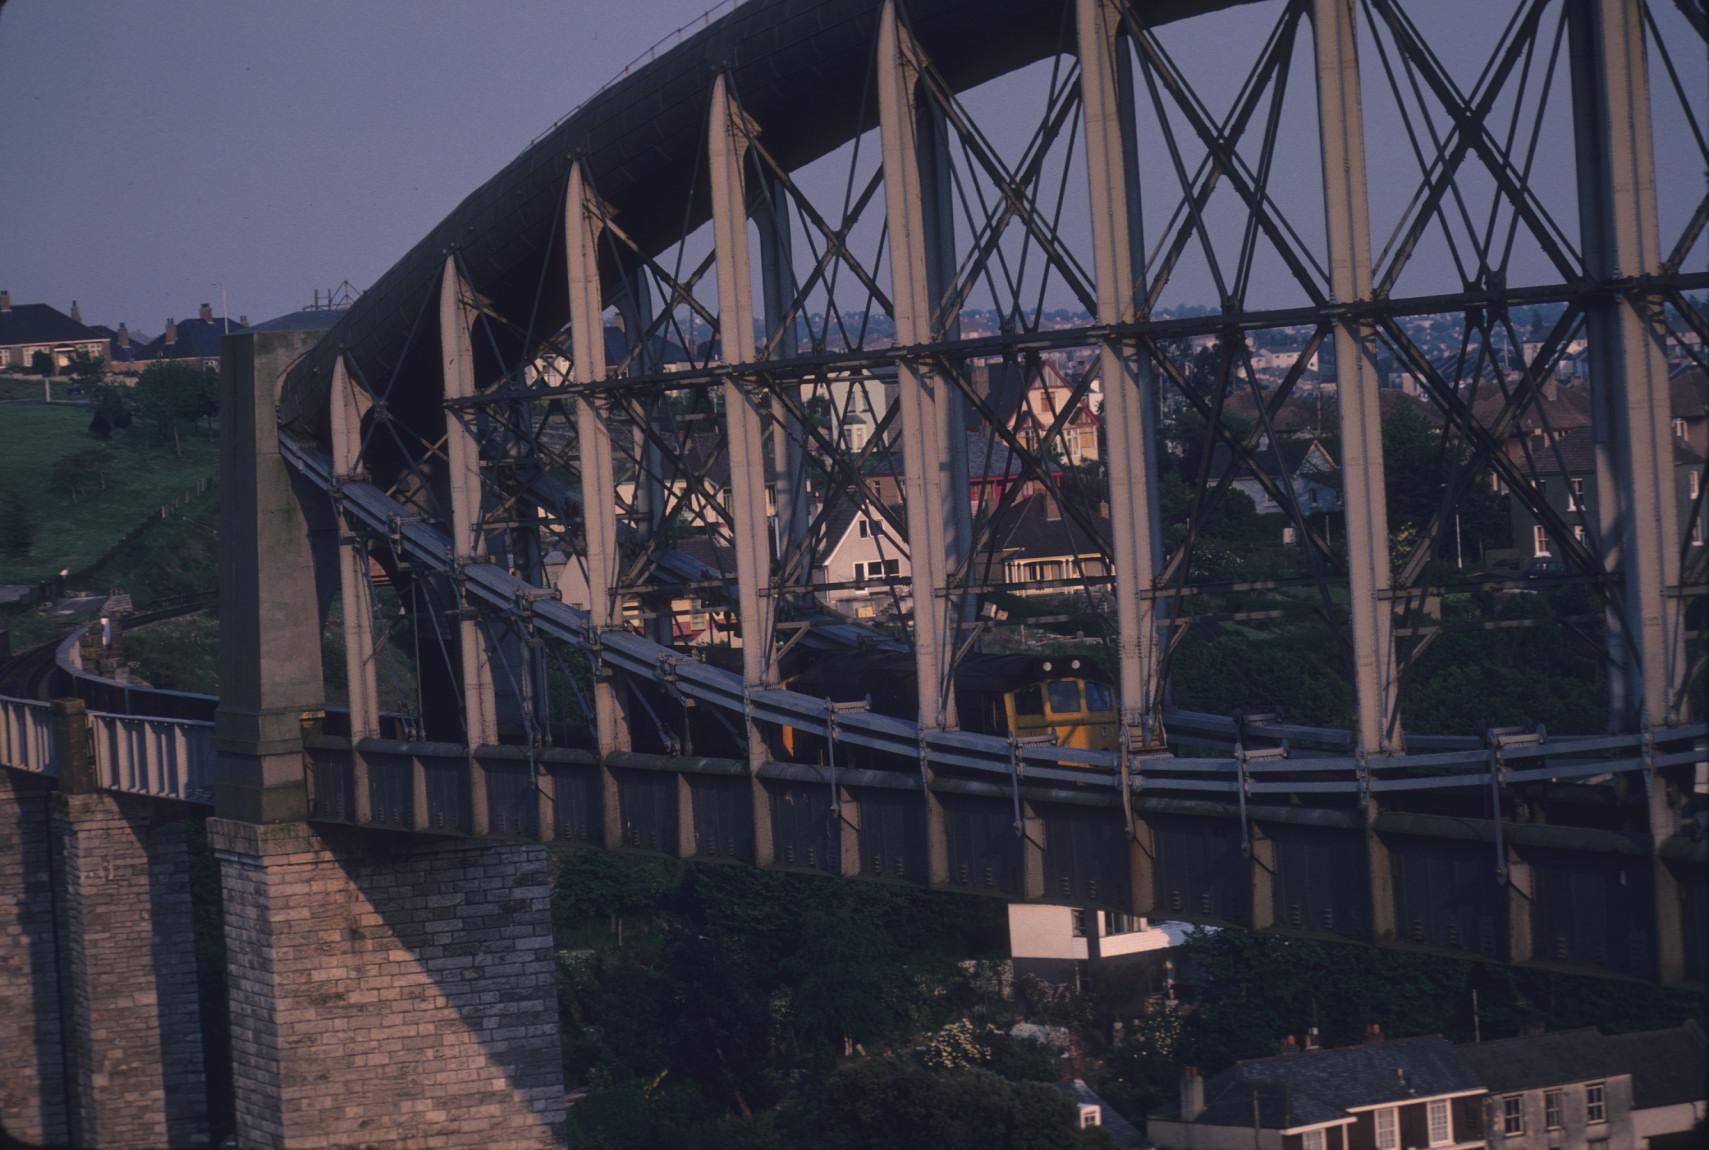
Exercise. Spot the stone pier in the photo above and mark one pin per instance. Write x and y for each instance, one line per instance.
(389, 990)
(32, 1051)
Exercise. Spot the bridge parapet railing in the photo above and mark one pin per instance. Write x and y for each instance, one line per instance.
(26, 736)
(151, 755)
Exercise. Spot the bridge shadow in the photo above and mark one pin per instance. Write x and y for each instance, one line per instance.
(29, 969)
(431, 958)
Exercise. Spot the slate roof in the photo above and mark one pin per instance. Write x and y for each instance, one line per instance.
(1323, 1085)
(28, 323)
(1667, 1066)
(197, 339)
(1034, 534)
(1573, 453)
(1688, 393)
(1293, 452)
(305, 319)
(1533, 1061)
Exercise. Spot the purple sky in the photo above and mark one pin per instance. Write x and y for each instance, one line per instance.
(156, 150)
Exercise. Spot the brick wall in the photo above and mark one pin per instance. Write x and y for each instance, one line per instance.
(389, 990)
(32, 1066)
(128, 972)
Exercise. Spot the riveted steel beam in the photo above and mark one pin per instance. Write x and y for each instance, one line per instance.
(1106, 99)
(1629, 373)
(755, 590)
(1347, 212)
(468, 540)
(350, 403)
(584, 221)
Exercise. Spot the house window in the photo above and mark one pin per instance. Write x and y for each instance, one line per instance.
(1312, 1140)
(1539, 540)
(1388, 1129)
(1575, 495)
(864, 527)
(1696, 484)
(1089, 1117)
(1678, 427)
(1078, 923)
(1578, 533)
(1552, 1109)
(1598, 1143)
(1513, 1115)
(1441, 1125)
(1697, 532)
(1595, 1103)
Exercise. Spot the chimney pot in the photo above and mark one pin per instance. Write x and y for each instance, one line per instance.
(124, 336)
(5, 301)
(1311, 1042)
(1289, 1045)
(1192, 1094)
(1373, 1033)
(76, 313)
(171, 336)
(207, 312)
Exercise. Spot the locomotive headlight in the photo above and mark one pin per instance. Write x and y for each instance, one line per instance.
(1047, 665)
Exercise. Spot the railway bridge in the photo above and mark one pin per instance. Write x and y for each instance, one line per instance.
(569, 486)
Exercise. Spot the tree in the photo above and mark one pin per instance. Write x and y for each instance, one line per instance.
(41, 363)
(168, 394)
(17, 528)
(112, 410)
(77, 471)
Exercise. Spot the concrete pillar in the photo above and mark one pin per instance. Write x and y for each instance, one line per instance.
(33, 1105)
(270, 667)
(1639, 519)
(1106, 90)
(1342, 127)
(1034, 881)
(1142, 868)
(1263, 854)
(1379, 871)
(127, 956)
(389, 991)
(1521, 894)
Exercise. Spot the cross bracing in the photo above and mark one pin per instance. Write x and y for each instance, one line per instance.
(809, 287)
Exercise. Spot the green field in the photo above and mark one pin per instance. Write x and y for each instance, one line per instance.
(144, 476)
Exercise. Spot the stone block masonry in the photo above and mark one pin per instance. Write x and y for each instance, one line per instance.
(32, 1052)
(389, 990)
(127, 958)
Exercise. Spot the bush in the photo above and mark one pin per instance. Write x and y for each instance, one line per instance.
(17, 528)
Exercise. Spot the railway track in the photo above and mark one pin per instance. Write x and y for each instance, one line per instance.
(36, 674)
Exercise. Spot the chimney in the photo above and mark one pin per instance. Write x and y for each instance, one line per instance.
(171, 336)
(1373, 1034)
(1289, 1046)
(76, 313)
(207, 313)
(1311, 1041)
(5, 301)
(1192, 1094)
(124, 335)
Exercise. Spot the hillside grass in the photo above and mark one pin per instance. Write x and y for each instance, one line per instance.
(72, 536)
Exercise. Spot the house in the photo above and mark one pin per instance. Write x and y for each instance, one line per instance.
(865, 571)
(1670, 1085)
(1583, 1090)
(1043, 552)
(1403, 1095)
(1559, 1091)
(1068, 946)
(1091, 1111)
(195, 341)
(1047, 396)
(1307, 466)
(28, 330)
